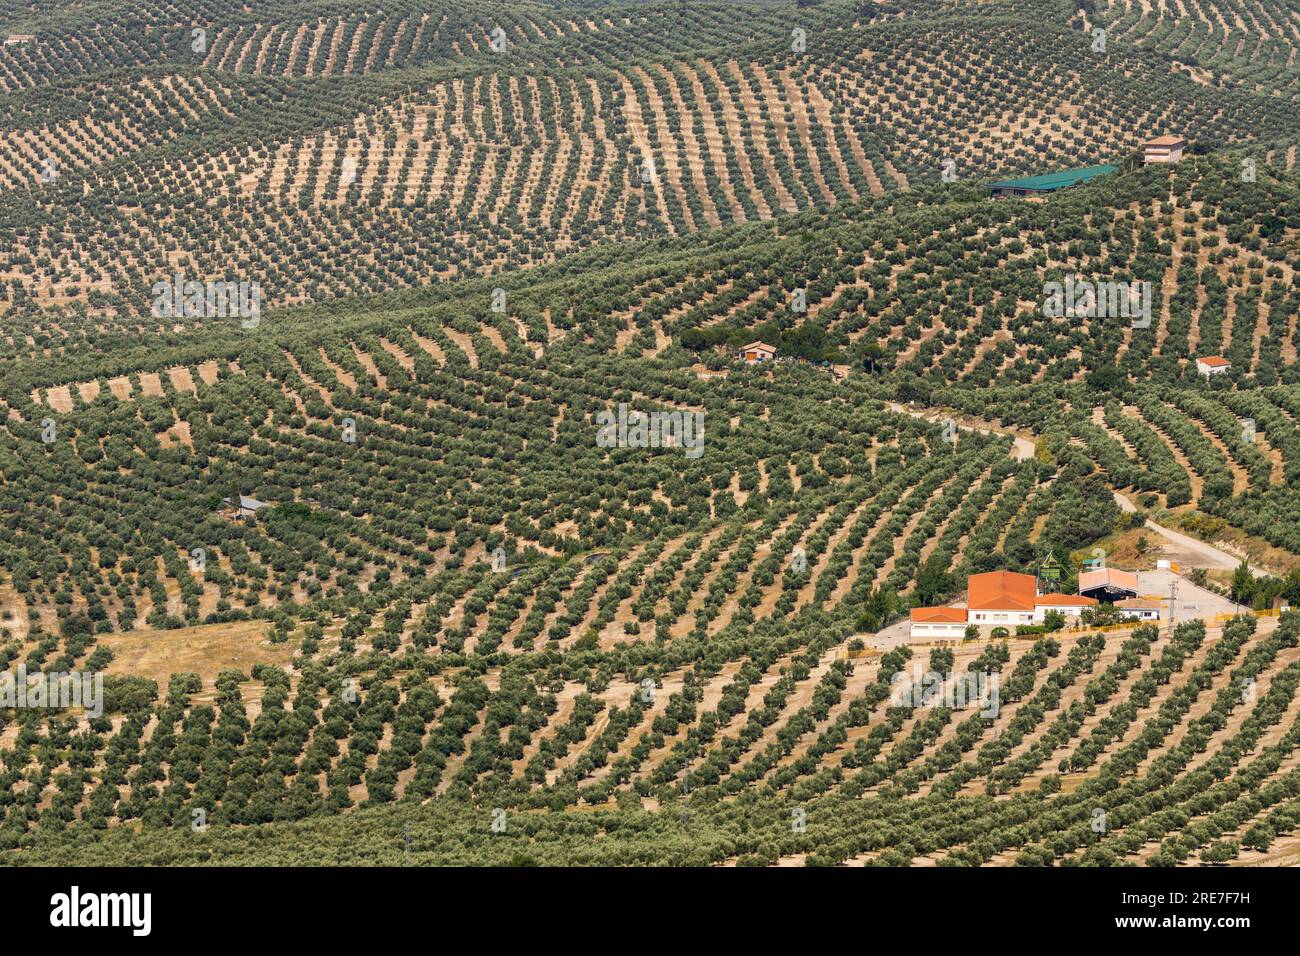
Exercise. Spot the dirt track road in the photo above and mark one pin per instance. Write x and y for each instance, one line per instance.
(1207, 555)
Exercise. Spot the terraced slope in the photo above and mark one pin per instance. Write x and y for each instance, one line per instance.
(324, 152)
(1141, 750)
(468, 621)
(658, 626)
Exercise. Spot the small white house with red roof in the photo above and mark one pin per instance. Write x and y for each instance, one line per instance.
(938, 622)
(1212, 365)
(1069, 605)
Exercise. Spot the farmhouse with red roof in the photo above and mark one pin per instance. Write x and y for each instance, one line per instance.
(997, 599)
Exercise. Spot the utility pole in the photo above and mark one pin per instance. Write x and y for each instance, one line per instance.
(1173, 606)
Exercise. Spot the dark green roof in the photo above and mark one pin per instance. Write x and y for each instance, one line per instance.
(1049, 181)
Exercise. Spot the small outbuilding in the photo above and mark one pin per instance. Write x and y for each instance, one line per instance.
(1138, 609)
(1212, 365)
(938, 622)
(246, 507)
(757, 352)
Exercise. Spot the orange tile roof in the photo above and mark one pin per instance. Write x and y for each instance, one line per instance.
(1166, 141)
(1214, 360)
(1072, 600)
(759, 345)
(939, 615)
(1002, 591)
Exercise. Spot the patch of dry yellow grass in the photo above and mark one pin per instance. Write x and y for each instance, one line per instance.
(206, 650)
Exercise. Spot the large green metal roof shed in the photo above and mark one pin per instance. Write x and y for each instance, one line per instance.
(1048, 182)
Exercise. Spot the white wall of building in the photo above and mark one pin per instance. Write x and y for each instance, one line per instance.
(1004, 618)
(1069, 610)
(1139, 614)
(938, 630)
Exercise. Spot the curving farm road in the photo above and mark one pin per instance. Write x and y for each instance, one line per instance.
(1209, 556)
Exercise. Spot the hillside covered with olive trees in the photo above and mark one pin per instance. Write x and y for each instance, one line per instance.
(379, 562)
